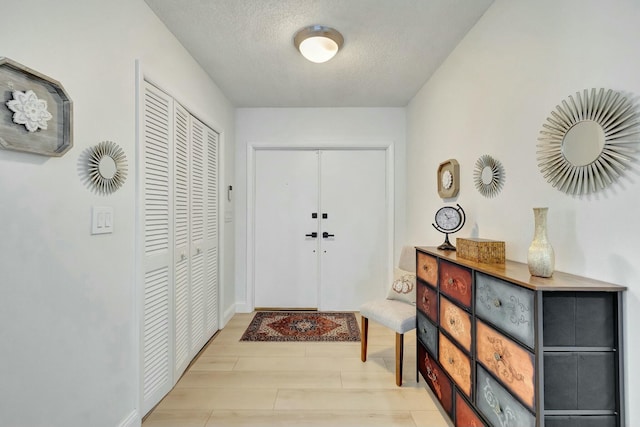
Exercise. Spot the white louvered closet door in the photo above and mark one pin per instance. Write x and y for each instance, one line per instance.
(179, 164)
(198, 272)
(182, 238)
(204, 234)
(211, 234)
(196, 236)
(157, 268)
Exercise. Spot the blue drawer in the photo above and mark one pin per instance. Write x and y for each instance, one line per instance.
(507, 306)
(498, 406)
(427, 333)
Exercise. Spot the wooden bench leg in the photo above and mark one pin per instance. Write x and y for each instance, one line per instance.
(363, 339)
(399, 356)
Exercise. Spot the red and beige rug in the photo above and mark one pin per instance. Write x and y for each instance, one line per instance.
(302, 326)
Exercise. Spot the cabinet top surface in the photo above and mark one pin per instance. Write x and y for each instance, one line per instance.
(518, 273)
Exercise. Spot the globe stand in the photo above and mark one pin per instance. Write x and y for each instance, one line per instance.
(446, 246)
(449, 220)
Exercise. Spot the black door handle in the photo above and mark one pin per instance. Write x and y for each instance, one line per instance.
(326, 235)
(314, 235)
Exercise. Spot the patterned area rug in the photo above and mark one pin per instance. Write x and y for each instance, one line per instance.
(302, 326)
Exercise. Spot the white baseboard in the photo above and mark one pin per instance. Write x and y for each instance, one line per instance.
(243, 307)
(227, 315)
(131, 420)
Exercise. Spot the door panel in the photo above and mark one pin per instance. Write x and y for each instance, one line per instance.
(157, 228)
(181, 238)
(353, 195)
(286, 194)
(346, 269)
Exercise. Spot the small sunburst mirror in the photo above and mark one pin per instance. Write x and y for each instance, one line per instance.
(586, 143)
(106, 167)
(488, 176)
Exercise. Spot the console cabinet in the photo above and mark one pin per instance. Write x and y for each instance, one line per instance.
(501, 348)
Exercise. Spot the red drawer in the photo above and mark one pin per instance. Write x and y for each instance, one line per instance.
(438, 381)
(427, 301)
(455, 282)
(465, 415)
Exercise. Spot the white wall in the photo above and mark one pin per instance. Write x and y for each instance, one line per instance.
(313, 127)
(491, 96)
(68, 340)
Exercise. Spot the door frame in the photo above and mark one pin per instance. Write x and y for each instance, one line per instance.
(252, 147)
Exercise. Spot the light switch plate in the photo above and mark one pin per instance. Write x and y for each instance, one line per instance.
(102, 220)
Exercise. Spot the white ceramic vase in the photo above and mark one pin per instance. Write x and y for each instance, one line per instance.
(541, 257)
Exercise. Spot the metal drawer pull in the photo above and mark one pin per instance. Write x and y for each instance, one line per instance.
(497, 302)
(425, 267)
(450, 360)
(497, 356)
(450, 281)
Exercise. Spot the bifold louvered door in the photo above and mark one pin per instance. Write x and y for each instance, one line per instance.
(196, 236)
(181, 241)
(182, 238)
(204, 236)
(157, 214)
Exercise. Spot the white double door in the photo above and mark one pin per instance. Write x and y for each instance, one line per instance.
(321, 228)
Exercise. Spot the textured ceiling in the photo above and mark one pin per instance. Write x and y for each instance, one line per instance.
(391, 47)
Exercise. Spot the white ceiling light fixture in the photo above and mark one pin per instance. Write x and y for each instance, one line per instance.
(318, 43)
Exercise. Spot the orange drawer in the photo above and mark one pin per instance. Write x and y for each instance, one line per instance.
(427, 268)
(456, 363)
(455, 282)
(456, 322)
(509, 362)
(427, 301)
(438, 381)
(465, 415)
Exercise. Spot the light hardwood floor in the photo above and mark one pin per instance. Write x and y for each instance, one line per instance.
(235, 383)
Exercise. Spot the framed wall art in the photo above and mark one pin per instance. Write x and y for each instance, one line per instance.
(35, 111)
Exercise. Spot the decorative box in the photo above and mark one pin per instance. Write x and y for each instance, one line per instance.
(481, 250)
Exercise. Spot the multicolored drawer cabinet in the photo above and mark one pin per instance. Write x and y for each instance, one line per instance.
(501, 348)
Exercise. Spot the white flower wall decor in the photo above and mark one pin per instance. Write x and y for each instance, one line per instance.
(29, 110)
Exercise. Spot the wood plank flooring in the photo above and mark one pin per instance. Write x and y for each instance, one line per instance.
(246, 384)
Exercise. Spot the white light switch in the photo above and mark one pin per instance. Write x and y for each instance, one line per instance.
(102, 220)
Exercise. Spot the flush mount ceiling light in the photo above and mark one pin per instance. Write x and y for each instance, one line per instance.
(318, 43)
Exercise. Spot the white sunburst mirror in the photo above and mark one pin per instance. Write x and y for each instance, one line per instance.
(107, 167)
(488, 176)
(586, 142)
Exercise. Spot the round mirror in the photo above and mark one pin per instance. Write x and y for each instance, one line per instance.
(583, 143)
(107, 167)
(487, 175)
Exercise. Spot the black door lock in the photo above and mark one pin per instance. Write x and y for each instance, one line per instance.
(326, 235)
